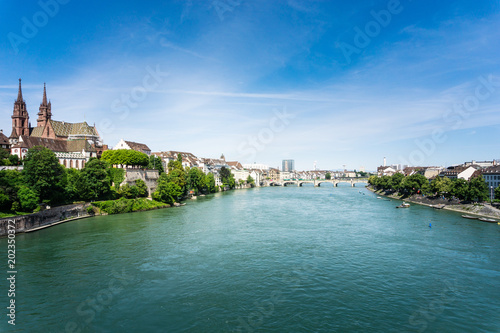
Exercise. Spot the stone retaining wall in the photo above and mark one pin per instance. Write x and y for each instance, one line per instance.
(47, 217)
(150, 177)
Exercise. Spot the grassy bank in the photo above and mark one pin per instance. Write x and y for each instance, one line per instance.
(123, 205)
(470, 209)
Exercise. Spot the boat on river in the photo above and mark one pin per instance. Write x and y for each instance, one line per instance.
(484, 219)
(470, 217)
(403, 205)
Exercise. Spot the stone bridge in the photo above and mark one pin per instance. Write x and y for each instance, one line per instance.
(318, 182)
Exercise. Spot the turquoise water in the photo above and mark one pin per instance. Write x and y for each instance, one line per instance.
(284, 259)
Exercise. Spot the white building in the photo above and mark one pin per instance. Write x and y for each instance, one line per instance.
(256, 166)
(141, 147)
(492, 177)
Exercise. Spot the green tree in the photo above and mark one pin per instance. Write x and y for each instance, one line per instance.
(125, 157)
(478, 189)
(142, 188)
(94, 182)
(117, 176)
(373, 180)
(414, 184)
(227, 177)
(459, 188)
(179, 158)
(328, 176)
(195, 181)
(396, 181)
(28, 199)
(4, 157)
(43, 173)
(384, 182)
(126, 191)
(497, 194)
(14, 160)
(209, 183)
(178, 177)
(173, 165)
(167, 191)
(72, 181)
(250, 180)
(441, 186)
(155, 163)
(10, 182)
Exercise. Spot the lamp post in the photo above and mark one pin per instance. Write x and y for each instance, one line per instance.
(491, 194)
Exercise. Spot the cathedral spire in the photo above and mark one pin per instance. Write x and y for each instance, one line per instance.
(45, 112)
(44, 101)
(19, 93)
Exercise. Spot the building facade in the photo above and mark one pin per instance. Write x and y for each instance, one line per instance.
(73, 143)
(288, 165)
(492, 177)
(130, 145)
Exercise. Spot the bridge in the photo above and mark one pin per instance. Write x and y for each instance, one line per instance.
(318, 182)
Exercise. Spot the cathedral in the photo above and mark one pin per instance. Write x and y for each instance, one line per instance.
(73, 143)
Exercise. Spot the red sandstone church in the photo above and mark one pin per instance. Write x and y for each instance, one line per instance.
(73, 143)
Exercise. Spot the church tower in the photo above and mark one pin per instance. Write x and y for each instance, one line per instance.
(45, 110)
(20, 117)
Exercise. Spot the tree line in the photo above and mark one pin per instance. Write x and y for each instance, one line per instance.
(179, 181)
(44, 180)
(474, 190)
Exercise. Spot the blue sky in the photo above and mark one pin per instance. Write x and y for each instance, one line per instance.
(334, 82)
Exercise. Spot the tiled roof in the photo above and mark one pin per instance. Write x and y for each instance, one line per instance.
(14, 133)
(62, 128)
(138, 146)
(237, 165)
(53, 144)
(492, 170)
(4, 140)
(37, 131)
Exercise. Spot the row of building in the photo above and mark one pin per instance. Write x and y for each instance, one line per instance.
(490, 170)
(75, 143)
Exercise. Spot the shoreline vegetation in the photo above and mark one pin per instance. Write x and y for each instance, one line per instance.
(104, 190)
(44, 183)
(460, 195)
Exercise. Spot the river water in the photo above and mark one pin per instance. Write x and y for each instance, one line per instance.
(287, 259)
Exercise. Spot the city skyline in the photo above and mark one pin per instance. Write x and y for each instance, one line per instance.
(336, 83)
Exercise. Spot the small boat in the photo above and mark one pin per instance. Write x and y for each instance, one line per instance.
(441, 206)
(469, 217)
(484, 219)
(403, 205)
(379, 197)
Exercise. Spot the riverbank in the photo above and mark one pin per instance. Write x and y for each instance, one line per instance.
(479, 210)
(61, 214)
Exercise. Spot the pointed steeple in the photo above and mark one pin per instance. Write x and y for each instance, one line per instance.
(20, 93)
(44, 101)
(45, 112)
(20, 117)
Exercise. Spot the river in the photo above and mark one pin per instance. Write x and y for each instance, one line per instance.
(279, 259)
